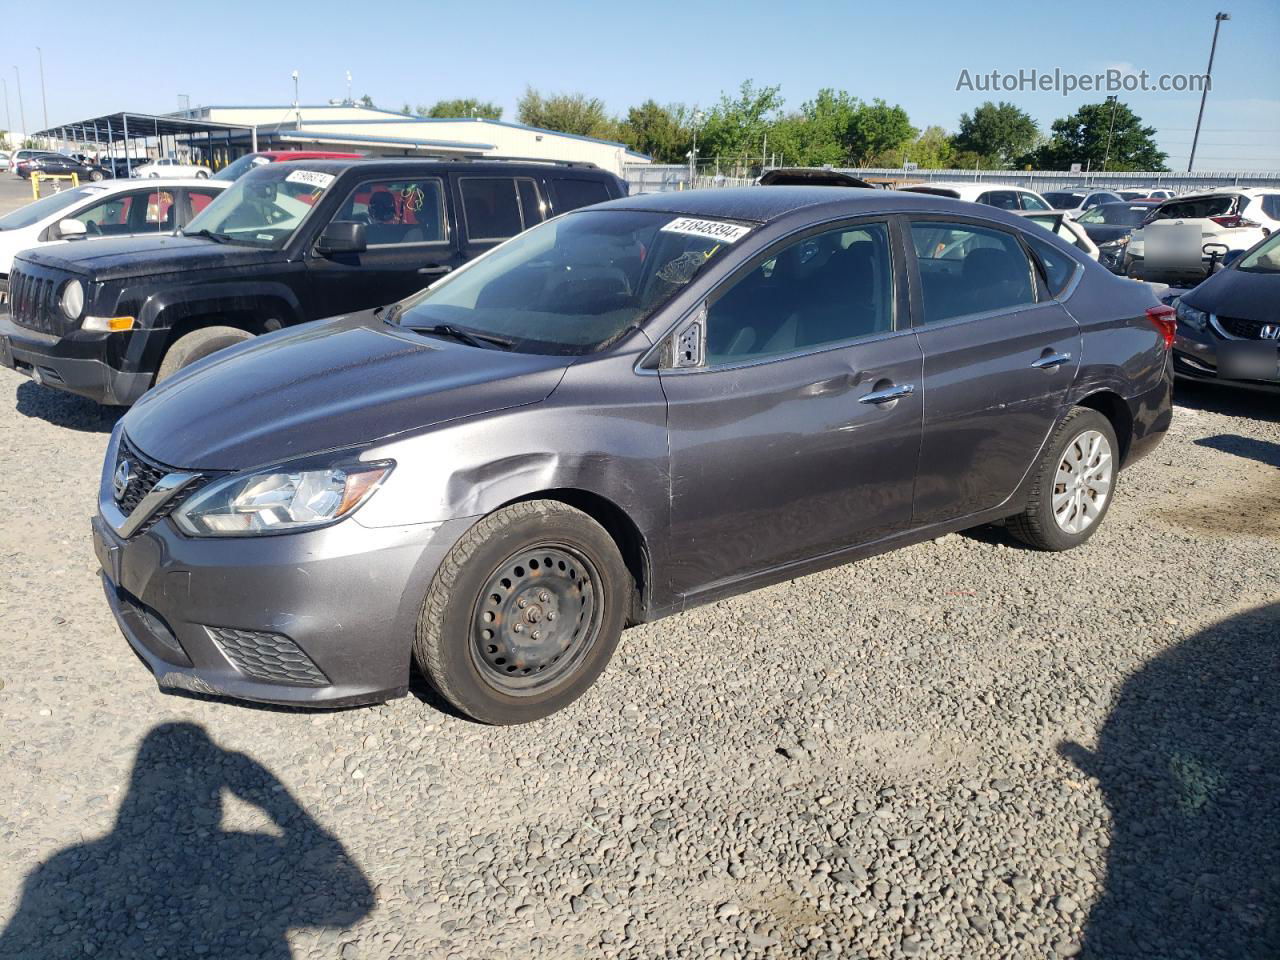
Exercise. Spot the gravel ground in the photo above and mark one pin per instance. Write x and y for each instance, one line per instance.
(962, 749)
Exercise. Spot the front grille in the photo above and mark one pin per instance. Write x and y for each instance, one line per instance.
(272, 657)
(1239, 327)
(143, 475)
(33, 301)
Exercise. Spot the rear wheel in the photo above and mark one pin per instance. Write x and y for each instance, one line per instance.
(524, 613)
(1074, 483)
(197, 345)
(95, 176)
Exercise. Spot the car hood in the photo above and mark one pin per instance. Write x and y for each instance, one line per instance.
(331, 384)
(1239, 293)
(147, 256)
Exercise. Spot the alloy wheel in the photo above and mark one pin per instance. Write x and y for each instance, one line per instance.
(1082, 483)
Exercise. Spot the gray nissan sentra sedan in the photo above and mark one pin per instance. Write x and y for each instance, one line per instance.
(625, 412)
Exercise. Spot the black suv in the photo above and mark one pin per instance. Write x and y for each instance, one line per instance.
(289, 242)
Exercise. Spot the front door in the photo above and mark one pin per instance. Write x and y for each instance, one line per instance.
(999, 357)
(410, 246)
(797, 435)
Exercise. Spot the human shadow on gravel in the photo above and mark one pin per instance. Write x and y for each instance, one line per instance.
(1264, 451)
(169, 881)
(65, 409)
(1189, 761)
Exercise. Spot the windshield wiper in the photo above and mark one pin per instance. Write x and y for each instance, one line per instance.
(215, 237)
(470, 337)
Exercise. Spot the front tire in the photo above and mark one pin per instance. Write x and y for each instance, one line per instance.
(197, 345)
(1074, 484)
(524, 613)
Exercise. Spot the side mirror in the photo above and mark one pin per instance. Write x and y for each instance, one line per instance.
(341, 236)
(71, 229)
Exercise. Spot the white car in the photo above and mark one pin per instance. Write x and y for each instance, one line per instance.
(1171, 243)
(992, 194)
(113, 208)
(4, 160)
(1142, 193)
(169, 168)
(1076, 200)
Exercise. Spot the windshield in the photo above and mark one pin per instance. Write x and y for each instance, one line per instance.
(1063, 200)
(237, 168)
(1264, 259)
(1116, 214)
(46, 206)
(574, 284)
(263, 208)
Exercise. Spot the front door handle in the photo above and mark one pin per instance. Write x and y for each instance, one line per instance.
(889, 394)
(1051, 361)
(435, 270)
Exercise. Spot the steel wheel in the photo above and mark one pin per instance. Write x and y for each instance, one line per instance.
(536, 619)
(1083, 482)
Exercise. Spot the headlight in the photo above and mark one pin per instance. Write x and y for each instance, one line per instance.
(280, 500)
(73, 299)
(1196, 319)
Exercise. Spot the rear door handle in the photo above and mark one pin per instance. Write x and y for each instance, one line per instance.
(1051, 360)
(889, 394)
(435, 270)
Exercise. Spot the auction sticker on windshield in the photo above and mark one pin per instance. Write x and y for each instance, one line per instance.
(710, 229)
(312, 178)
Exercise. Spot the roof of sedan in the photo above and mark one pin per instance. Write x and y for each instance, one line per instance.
(763, 204)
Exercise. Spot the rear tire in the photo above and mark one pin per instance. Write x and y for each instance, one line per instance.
(1074, 484)
(197, 345)
(524, 613)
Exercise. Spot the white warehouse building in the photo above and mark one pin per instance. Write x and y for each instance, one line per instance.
(360, 129)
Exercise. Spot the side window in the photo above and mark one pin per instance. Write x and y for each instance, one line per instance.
(1003, 199)
(827, 288)
(1031, 202)
(160, 210)
(199, 199)
(532, 207)
(967, 269)
(397, 211)
(1058, 267)
(108, 217)
(490, 207)
(572, 194)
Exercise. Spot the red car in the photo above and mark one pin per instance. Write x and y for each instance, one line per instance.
(235, 169)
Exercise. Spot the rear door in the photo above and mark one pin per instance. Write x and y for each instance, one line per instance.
(491, 209)
(410, 246)
(999, 356)
(798, 433)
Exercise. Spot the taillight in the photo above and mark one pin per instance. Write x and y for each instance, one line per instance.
(1164, 319)
(1234, 220)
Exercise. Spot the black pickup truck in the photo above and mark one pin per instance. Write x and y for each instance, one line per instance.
(288, 243)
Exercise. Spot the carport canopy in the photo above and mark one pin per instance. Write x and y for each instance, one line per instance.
(113, 128)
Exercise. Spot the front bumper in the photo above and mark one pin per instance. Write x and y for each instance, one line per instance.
(75, 365)
(1195, 357)
(317, 618)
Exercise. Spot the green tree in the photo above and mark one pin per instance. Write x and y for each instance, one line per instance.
(1083, 138)
(461, 107)
(998, 132)
(566, 112)
(933, 149)
(819, 134)
(737, 125)
(663, 132)
(367, 101)
(406, 110)
(877, 131)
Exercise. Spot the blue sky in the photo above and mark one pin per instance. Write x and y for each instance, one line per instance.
(236, 52)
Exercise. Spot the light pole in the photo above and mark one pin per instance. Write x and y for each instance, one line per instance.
(44, 102)
(297, 114)
(22, 112)
(693, 154)
(8, 116)
(1213, 47)
(1115, 102)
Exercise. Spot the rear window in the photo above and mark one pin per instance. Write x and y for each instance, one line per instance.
(1197, 208)
(1061, 200)
(572, 194)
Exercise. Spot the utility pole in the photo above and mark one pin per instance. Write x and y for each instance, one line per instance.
(1115, 102)
(693, 154)
(22, 113)
(297, 114)
(348, 102)
(8, 116)
(1213, 47)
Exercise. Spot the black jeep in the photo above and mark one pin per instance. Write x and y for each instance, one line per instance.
(289, 242)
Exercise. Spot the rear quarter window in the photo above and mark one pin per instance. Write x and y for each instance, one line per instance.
(572, 194)
(1058, 268)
